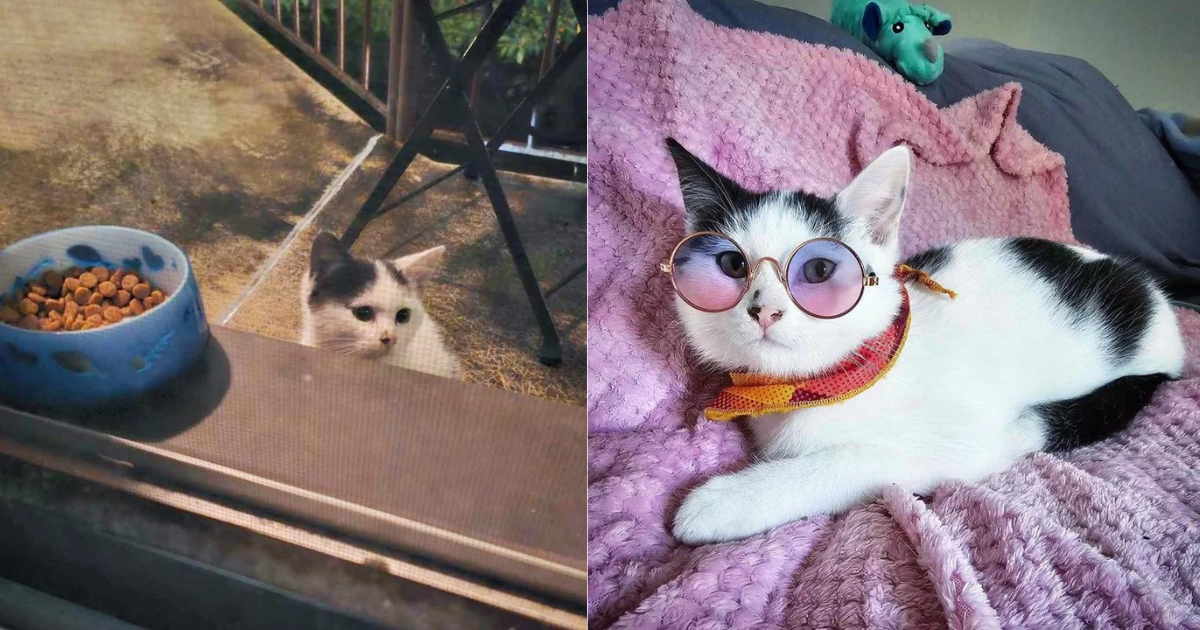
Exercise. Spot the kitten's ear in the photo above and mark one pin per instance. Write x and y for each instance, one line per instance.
(420, 267)
(707, 195)
(877, 194)
(326, 250)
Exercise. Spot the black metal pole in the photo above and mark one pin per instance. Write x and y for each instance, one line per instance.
(551, 351)
(452, 97)
(475, 54)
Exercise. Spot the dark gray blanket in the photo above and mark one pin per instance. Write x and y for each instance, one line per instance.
(1128, 197)
(1180, 134)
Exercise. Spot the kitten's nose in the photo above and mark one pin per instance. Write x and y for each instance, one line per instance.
(764, 316)
(387, 340)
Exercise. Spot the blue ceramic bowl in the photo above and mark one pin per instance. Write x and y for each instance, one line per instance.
(109, 365)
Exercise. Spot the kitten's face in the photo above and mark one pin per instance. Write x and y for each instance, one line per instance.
(366, 308)
(864, 217)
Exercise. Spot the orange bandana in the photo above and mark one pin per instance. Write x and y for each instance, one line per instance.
(754, 395)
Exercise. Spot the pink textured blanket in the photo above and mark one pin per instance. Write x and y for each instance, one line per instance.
(1106, 537)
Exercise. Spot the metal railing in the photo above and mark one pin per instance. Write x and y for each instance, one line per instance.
(399, 110)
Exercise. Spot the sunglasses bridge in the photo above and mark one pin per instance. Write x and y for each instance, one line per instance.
(758, 263)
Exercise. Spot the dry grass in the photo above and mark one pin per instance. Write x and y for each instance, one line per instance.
(476, 298)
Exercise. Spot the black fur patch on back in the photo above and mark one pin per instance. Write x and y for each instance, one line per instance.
(1118, 293)
(341, 282)
(931, 261)
(1099, 414)
(397, 275)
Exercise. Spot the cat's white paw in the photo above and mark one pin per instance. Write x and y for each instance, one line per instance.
(717, 511)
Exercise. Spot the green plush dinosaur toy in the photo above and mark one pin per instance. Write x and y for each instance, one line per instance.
(900, 32)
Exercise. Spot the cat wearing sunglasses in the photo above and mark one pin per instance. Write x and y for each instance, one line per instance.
(855, 377)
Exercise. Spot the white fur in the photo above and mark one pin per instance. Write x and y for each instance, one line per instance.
(954, 406)
(418, 343)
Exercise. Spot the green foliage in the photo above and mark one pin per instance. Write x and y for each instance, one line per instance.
(527, 36)
(523, 41)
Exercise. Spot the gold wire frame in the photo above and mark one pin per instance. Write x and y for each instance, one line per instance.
(869, 279)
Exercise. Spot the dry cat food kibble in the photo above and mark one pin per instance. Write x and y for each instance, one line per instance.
(80, 299)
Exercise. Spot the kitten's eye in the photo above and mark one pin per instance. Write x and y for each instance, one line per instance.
(363, 313)
(928, 27)
(732, 264)
(402, 316)
(898, 27)
(818, 270)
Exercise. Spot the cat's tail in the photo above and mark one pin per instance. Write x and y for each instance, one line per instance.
(1098, 414)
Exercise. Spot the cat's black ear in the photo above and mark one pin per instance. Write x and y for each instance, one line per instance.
(327, 250)
(708, 196)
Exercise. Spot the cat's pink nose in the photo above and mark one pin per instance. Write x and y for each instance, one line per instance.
(765, 316)
(387, 340)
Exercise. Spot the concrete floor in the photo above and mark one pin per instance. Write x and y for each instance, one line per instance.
(175, 117)
(172, 117)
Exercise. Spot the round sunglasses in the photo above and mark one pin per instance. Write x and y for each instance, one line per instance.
(823, 276)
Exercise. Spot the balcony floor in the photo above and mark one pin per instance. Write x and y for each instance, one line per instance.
(177, 118)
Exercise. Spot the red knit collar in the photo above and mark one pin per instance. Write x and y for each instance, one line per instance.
(755, 395)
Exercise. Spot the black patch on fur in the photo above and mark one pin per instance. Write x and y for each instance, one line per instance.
(397, 275)
(931, 261)
(341, 282)
(337, 276)
(712, 200)
(1119, 293)
(1095, 416)
(819, 212)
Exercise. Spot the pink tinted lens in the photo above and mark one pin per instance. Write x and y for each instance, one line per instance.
(701, 267)
(825, 278)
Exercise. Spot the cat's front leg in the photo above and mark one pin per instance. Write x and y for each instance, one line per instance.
(771, 493)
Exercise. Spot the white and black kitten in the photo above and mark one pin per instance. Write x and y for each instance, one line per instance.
(1046, 347)
(372, 308)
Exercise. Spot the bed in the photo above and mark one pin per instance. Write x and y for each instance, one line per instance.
(1108, 535)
